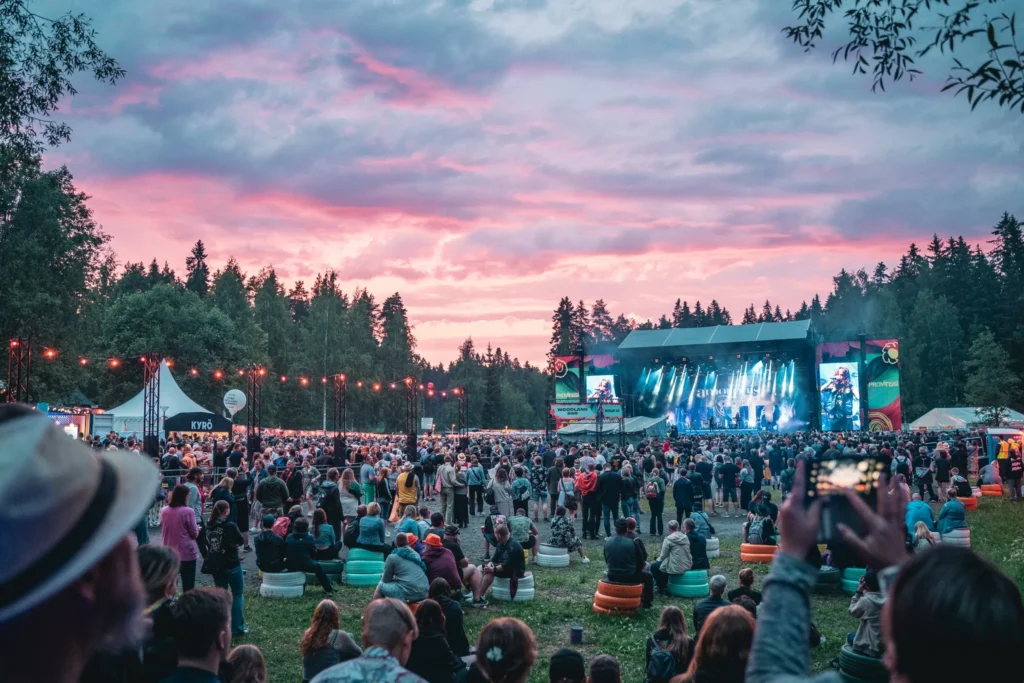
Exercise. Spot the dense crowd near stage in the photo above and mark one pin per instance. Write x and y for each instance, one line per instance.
(103, 545)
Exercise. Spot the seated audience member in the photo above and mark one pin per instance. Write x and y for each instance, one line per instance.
(669, 649)
(563, 534)
(350, 537)
(372, 531)
(919, 511)
(605, 669)
(202, 635)
(388, 632)
(953, 514)
(87, 595)
(156, 656)
(946, 595)
(746, 603)
(324, 644)
(702, 609)
(471, 574)
(746, 577)
(454, 617)
(246, 665)
(505, 652)
(866, 604)
(626, 564)
(703, 524)
(771, 509)
(270, 548)
(759, 530)
(698, 546)
(923, 537)
(989, 474)
(408, 523)
(674, 560)
(440, 562)
(494, 520)
(436, 526)
(631, 532)
(423, 521)
(405, 575)
(523, 532)
(960, 484)
(723, 647)
(327, 544)
(567, 666)
(508, 560)
(300, 551)
(430, 657)
(285, 525)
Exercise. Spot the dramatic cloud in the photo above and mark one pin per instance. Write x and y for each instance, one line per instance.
(486, 157)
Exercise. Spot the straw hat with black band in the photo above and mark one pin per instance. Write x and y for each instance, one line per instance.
(63, 507)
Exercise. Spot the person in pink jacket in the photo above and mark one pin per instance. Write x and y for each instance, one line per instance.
(179, 529)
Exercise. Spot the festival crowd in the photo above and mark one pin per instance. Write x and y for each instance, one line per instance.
(86, 595)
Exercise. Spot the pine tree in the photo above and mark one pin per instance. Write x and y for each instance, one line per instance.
(491, 417)
(198, 278)
(816, 311)
(749, 316)
(804, 313)
(562, 334)
(766, 313)
(298, 302)
(229, 292)
(681, 315)
(991, 384)
(601, 323)
(699, 317)
(581, 332)
(664, 323)
(621, 328)
(777, 315)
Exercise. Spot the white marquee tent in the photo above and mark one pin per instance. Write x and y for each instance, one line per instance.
(127, 417)
(957, 418)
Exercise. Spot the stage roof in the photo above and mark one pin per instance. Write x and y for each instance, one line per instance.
(690, 337)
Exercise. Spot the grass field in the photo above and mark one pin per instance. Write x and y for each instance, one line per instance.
(565, 598)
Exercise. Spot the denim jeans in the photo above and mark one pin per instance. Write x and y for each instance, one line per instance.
(610, 514)
(234, 580)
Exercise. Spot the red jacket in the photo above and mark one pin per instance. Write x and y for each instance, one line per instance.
(586, 482)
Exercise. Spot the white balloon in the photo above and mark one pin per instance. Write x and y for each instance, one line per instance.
(234, 401)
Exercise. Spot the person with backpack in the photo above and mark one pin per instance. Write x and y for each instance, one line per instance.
(429, 467)
(901, 464)
(669, 649)
(222, 562)
(759, 530)
(654, 492)
(786, 478)
(521, 491)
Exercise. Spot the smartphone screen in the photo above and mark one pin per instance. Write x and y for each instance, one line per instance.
(827, 479)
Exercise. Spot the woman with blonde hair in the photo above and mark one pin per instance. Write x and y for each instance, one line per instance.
(323, 644)
(722, 648)
(923, 537)
(247, 665)
(223, 492)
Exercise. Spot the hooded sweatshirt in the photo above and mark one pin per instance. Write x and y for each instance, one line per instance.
(675, 554)
(586, 482)
(868, 608)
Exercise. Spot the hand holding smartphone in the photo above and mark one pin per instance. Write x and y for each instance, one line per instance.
(829, 480)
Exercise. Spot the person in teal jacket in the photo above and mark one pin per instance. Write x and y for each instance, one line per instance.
(919, 511)
(953, 514)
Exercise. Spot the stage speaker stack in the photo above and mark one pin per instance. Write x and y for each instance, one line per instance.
(410, 446)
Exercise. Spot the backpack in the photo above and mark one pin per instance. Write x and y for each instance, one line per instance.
(651, 490)
(903, 466)
(754, 532)
(489, 495)
(214, 560)
(662, 666)
(787, 479)
(521, 488)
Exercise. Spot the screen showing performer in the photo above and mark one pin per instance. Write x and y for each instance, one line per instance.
(839, 389)
(601, 388)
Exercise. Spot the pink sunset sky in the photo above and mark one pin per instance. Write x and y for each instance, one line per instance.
(487, 157)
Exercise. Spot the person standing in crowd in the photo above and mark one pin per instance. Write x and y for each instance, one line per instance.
(476, 477)
(388, 632)
(654, 492)
(682, 496)
(746, 484)
(446, 477)
(201, 630)
(630, 491)
(408, 492)
(351, 494)
(180, 530)
(240, 485)
(324, 644)
(609, 490)
(272, 493)
(461, 493)
(368, 480)
(223, 564)
(1016, 469)
(539, 488)
(521, 491)
(222, 491)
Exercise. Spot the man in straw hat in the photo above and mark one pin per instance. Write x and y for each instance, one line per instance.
(68, 573)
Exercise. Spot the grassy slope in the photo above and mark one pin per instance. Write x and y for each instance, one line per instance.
(565, 597)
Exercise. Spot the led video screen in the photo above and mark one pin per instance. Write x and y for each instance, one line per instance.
(839, 394)
(601, 388)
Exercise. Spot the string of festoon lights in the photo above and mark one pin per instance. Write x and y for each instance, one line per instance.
(219, 373)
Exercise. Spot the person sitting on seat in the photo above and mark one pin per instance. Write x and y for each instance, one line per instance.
(440, 562)
(300, 554)
(675, 558)
(953, 514)
(698, 546)
(405, 575)
(962, 486)
(408, 524)
(746, 587)
(327, 546)
(923, 537)
(371, 531)
(523, 531)
(494, 520)
(563, 534)
(626, 564)
(759, 530)
(919, 511)
(989, 475)
(270, 548)
(704, 526)
(866, 605)
(351, 536)
(508, 560)
(670, 648)
(702, 609)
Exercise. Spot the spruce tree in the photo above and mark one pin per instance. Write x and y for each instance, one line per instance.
(198, 272)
